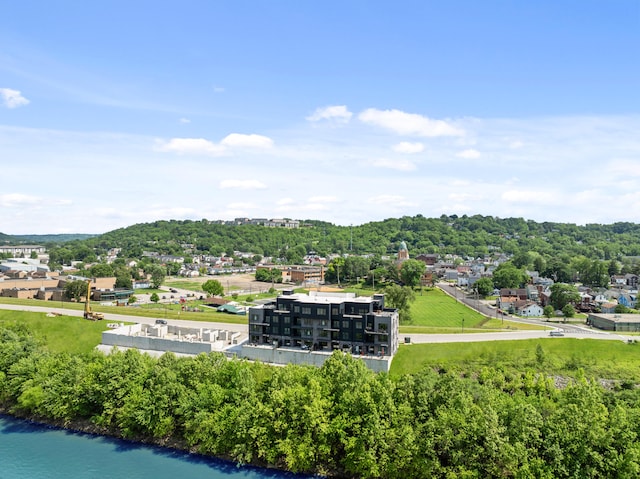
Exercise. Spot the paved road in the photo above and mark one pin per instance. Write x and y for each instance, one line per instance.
(110, 317)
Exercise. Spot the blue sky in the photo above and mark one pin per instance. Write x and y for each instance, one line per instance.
(116, 113)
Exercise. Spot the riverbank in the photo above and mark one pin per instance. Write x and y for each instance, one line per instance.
(86, 427)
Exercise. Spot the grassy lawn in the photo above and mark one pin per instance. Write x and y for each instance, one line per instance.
(436, 312)
(562, 356)
(184, 284)
(160, 310)
(60, 333)
(174, 311)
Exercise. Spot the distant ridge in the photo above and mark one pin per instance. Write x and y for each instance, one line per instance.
(53, 238)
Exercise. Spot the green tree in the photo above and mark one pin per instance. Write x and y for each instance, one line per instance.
(613, 267)
(213, 287)
(356, 267)
(123, 279)
(132, 299)
(411, 271)
(568, 311)
(154, 298)
(621, 309)
(101, 270)
(76, 290)
(400, 297)
(563, 294)
(484, 286)
(508, 276)
(158, 274)
(548, 311)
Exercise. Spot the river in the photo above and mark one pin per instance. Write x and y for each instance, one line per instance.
(32, 451)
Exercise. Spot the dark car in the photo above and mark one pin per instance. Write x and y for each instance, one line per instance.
(161, 321)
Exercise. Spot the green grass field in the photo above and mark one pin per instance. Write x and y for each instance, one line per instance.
(60, 333)
(434, 311)
(562, 356)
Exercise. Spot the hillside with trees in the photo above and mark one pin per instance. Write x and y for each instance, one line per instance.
(563, 252)
(466, 236)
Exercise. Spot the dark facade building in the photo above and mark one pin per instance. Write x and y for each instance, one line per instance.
(326, 322)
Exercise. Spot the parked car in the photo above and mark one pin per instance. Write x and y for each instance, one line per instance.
(161, 321)
(556, 333)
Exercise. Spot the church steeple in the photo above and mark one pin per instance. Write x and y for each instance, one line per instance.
(403, 252)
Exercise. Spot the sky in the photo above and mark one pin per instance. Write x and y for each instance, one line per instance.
(115, 113)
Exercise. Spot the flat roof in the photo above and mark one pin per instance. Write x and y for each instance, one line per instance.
(617, 318)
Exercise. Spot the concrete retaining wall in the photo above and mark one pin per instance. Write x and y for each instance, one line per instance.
(267, 354)
(124, 337)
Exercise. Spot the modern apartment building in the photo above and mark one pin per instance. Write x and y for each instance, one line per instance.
(326, 322)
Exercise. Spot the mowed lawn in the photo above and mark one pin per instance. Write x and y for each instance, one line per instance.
(70, 334)
(434, 311)
(564, 356)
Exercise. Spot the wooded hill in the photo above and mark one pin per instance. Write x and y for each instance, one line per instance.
(471, 236)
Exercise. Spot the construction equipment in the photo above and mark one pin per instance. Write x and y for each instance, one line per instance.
(88, 314)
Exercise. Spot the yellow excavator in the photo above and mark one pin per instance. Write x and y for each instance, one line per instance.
(88, 314)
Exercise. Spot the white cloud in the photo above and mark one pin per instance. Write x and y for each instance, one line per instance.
(238, 140)
(218, 89)
(337, 113)
(401, 165)
(469, 154)
(390, 200)
(12, 98)
(409, 124)
(241, 206)
(184, 120)
(323, 199)
(516, 144)
(532, 197)
(200, 146)
(197, 146)
(11, 200)
(285, 201)
(408, 147)
(243, 184)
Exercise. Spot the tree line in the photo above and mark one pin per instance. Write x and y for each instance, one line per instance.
(554, 244)
(339, 420)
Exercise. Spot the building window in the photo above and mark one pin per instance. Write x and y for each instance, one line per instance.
(275, 320)
(287, 331)
(344, 336)
(254, 317)
(287, 320)
(335, 311)
(358, 324)
(321, 311)
(346, 324)
(358, 336)
(306, 310)
(296, 309)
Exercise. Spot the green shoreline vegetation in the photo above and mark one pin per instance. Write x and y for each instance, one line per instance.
(534, 408)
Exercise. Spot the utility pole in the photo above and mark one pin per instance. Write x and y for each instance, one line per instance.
(351, 240)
